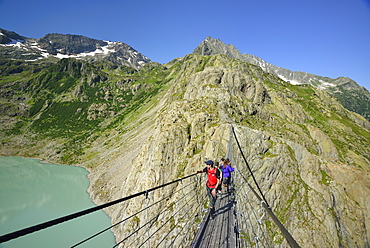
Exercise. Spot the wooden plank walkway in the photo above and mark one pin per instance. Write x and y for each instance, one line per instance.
(220, 231)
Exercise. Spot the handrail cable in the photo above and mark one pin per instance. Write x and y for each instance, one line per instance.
(285, 232)
(188, 225)
(129, 217)
(259, 222)
(255, 216)
(50, 223)
(250, 170)
(201, 203)
(189, 219)
(147, 200)
(168, 233)
(148, 222)
(245, 197)
(155, 217)
(169, 218)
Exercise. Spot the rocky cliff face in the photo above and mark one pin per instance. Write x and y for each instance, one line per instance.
(306, 150)
(348, 92)
(134, 130)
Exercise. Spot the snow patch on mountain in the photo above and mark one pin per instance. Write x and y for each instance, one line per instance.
(291, 81)
(60, 47)
(262, 65)
(17, 43)
(99, 51)
(324, 85)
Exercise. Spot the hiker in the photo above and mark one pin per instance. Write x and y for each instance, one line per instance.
(219, 167)
(226, 173)
(213, 180)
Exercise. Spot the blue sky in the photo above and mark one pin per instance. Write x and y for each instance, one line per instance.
(325, 37)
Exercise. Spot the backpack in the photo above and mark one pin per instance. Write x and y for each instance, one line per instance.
(212, 178)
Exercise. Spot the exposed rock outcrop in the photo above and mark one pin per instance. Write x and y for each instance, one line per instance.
(310, 185)
(134, 130)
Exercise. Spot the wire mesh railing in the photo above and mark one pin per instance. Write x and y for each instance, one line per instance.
(169, 215)
(169, 225)
(166, 216)
(251, 216)
(253, 211)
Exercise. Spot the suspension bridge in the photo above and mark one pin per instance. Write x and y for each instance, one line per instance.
(175, 214)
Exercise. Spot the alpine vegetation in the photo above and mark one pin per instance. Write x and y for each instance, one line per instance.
(136, 124)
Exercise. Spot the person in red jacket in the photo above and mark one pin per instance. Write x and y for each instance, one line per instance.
(213, 180)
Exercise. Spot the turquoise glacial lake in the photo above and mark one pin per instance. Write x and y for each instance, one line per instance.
(32, 193)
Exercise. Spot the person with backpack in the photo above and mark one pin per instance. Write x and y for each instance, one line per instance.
(213, 180)
(219, 167)
(226, 173)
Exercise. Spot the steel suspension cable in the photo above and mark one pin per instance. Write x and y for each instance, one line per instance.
(250, 227)
(200, 205)
(168, 233)
(189, 224)
(246, 162)
(285, 232)
(242, 196)
(165, 198)
(253, 210)
(185, 214)
(47, 224)
(181, 208)
(155, 217)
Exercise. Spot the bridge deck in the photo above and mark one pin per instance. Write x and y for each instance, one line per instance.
(220, 231)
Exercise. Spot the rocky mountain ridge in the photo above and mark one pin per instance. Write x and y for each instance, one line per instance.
(57, 46)
(136, 129)
(295, 153)
(211, 46)
(347, 91)
(14, 46)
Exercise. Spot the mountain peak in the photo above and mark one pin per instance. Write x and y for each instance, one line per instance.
(69, 44)
(341, 88)
(55, 45)
(211, 46)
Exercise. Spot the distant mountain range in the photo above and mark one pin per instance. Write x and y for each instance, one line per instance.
(136, 124)
(14, 46)
(58, 46)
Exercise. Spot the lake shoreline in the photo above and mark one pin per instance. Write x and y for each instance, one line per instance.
(52, 173)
